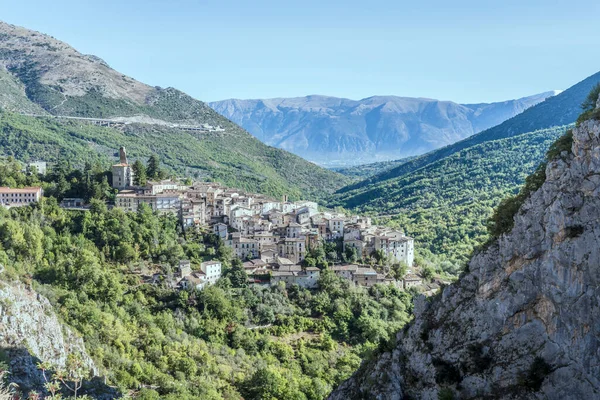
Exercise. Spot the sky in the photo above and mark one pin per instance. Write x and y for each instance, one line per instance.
(462, 50)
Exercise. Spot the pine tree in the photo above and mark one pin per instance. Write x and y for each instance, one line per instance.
(140, 175)
(153, 170)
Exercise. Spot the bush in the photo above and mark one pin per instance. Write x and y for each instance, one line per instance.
(563, 143)
(446, 394)
(590, 101)
(536, 374)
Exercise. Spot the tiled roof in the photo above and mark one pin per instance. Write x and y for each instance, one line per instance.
(5, 189)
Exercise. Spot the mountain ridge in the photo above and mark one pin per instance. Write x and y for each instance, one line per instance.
(324, 128)
(559, 110)
(44, 76)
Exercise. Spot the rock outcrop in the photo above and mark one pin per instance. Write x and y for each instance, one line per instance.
(31, 332)
(524, 322)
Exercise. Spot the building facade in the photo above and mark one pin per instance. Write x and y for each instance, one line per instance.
(12, 197)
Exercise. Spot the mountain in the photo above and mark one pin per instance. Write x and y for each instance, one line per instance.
(43, 78)
(444, 198)
(445, 205)
(336, 131)
(523, 323)
(561, 109)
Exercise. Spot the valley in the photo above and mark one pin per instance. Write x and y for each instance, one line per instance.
(169, 248)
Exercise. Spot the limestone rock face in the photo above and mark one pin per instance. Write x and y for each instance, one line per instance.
(31, 332)
(524, 323)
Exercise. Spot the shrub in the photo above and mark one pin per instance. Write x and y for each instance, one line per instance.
(536, 374)
(590, 101)
(563, 143)
(446, 394)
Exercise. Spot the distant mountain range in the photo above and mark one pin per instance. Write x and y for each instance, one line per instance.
(336, 132)
(445, 197)
(43, 77)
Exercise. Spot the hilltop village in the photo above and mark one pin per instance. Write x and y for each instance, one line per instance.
(272, 237)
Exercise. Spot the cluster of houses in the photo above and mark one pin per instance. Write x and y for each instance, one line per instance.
(272, 236)
(208, 274)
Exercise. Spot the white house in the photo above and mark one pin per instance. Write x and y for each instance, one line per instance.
(212, 271)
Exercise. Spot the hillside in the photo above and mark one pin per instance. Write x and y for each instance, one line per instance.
(364, 171)
(110, 280)
(522, 323)
(62, 81)
(232, 157)
(445, 205)
(42, 76)
(335, 131)
(559, 110)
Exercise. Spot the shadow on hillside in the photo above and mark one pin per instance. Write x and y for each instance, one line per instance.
(23, 372)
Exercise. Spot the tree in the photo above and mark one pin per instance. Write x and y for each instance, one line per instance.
(237, 275)
(590, 101)
(139, 173)
(153, 170)
(427, 273)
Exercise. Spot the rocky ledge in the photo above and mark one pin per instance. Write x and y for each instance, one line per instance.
(30, 332)
(524, 322)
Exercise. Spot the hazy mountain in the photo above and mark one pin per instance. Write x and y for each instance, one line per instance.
(521, 322)
(561, 109)
(44, 76)
(332, 130)
(445, 197)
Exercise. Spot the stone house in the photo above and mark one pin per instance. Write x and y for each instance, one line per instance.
(411, 281)
(345, 271)
(293, 249)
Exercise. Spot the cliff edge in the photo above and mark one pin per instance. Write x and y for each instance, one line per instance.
(30, 332)
(524, 322)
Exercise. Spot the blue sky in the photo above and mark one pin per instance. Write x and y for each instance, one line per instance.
(461, 50)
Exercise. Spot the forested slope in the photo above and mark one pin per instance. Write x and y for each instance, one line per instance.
(558, 110)
(446, 204)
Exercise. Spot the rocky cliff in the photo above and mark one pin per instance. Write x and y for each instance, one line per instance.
(524, 322)
(31, 332)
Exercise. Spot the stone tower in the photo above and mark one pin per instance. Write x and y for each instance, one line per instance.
(122, 173)
(123, 155)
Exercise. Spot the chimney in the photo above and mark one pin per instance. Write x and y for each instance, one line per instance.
(285, 198)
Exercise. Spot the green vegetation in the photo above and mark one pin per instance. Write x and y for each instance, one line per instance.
(589, 106)
(233, 157)
(445, 205)
(562, 109)
(445, 198)
(503, 218)
(365, 171)
(140, 175)
(61, 181)
(227, 341)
